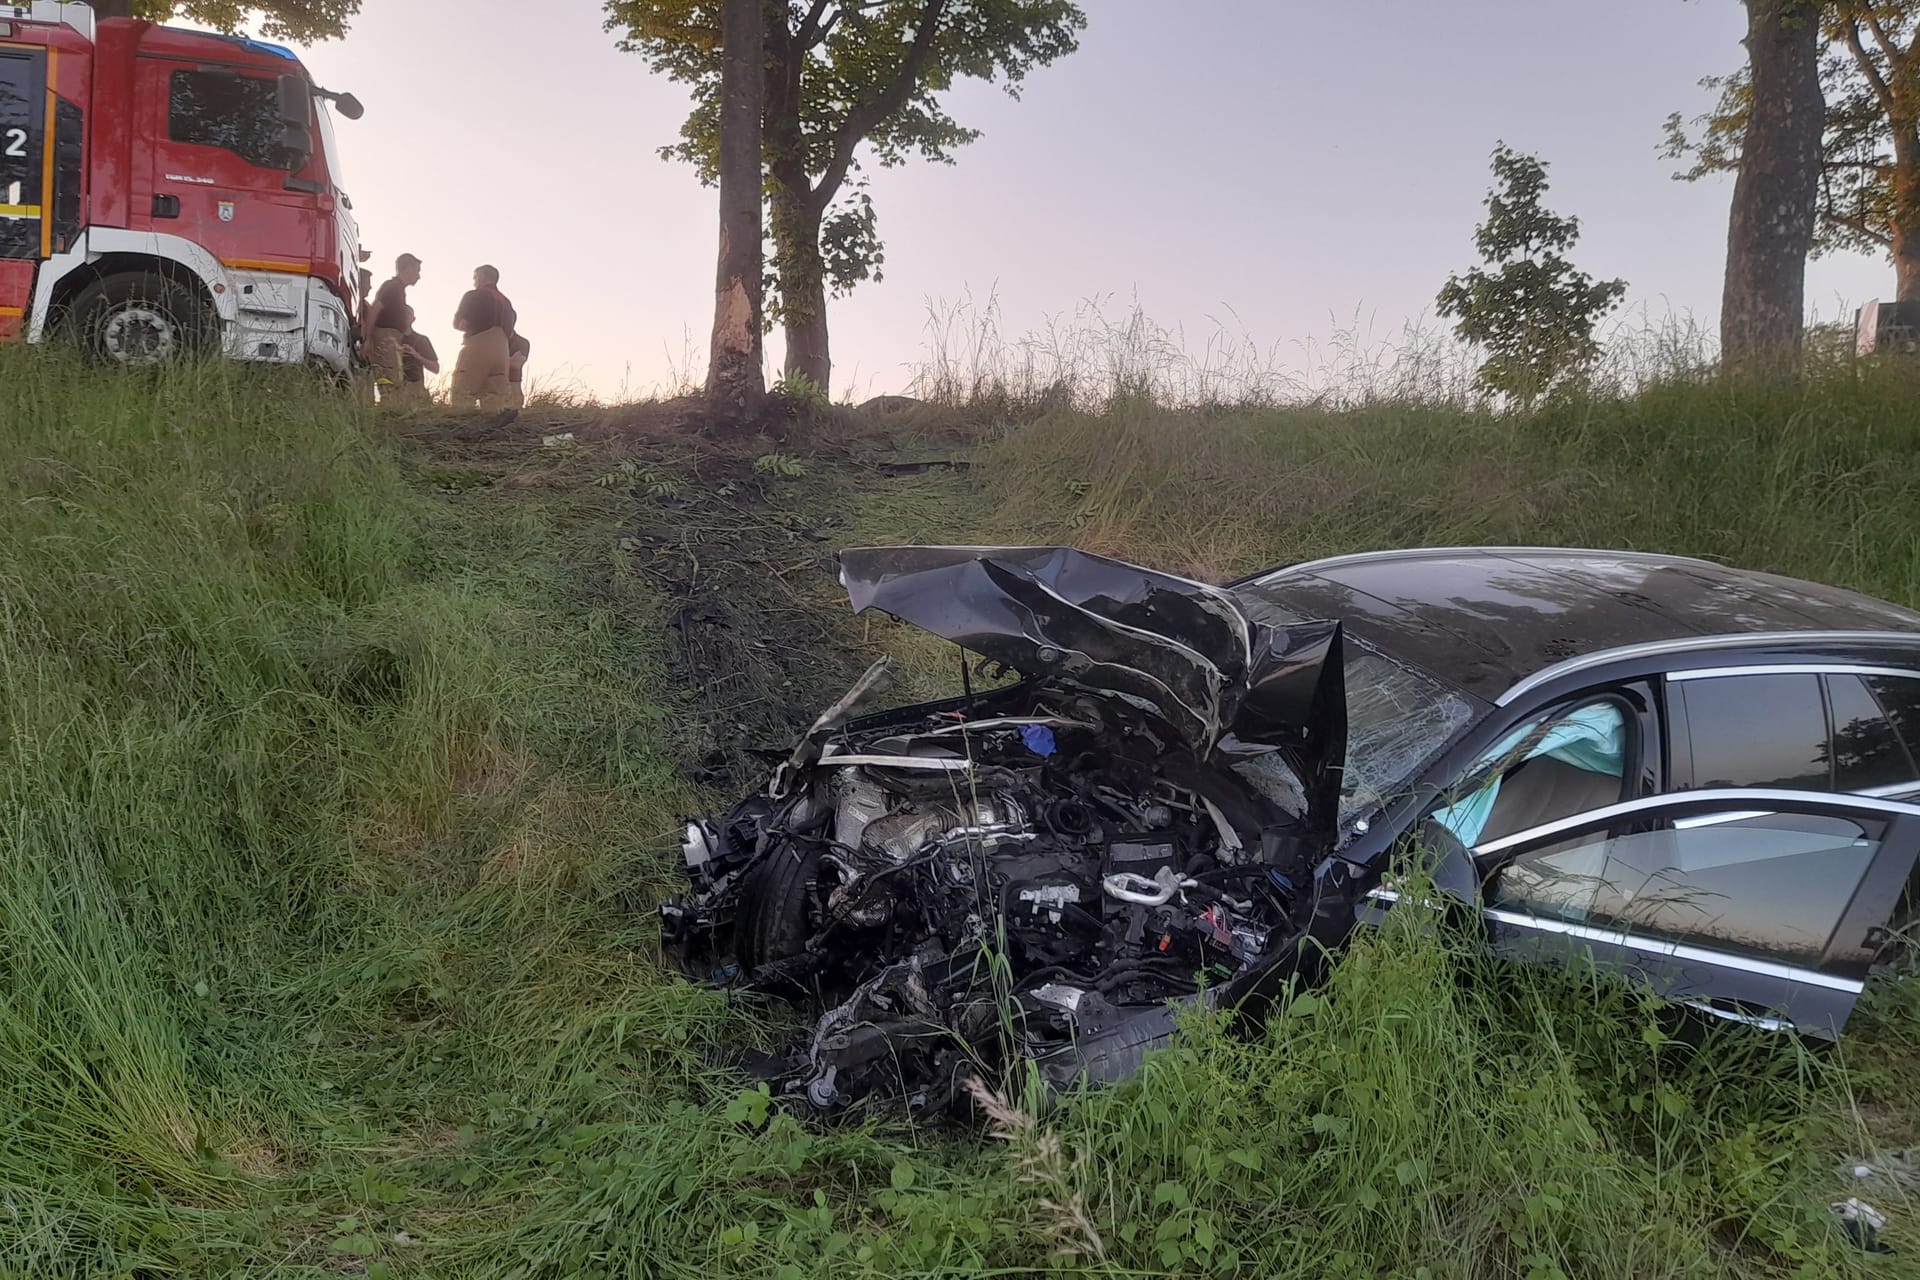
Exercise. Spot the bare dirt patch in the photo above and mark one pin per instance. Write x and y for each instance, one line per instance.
(734, 540)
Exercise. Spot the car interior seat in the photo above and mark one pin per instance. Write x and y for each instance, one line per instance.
(1543, 790)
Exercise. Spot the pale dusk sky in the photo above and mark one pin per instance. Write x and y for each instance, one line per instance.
(1285, 168)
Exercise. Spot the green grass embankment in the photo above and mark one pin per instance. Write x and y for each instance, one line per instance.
(340, 774)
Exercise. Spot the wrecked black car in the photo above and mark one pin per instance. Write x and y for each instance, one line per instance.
(1697, 775)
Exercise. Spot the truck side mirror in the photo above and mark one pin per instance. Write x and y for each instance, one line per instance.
(349, 106)
(296, 101)
(296, 114)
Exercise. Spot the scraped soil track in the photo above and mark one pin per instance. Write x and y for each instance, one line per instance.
(732, 544)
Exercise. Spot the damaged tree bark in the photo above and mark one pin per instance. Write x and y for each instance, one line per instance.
(736, 383)
(1770, 226)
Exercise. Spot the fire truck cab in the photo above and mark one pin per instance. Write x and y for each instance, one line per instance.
(165, 191)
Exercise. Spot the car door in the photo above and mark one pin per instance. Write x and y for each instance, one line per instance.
(1760, 905)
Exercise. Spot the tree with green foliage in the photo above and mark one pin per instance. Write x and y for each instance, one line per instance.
(841, 75)
(300, 20)
(1869, 173)
(1531, 310)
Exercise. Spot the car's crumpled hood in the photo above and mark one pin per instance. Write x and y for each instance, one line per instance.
(1183, 650)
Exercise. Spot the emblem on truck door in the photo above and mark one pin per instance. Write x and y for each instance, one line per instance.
(226, 211)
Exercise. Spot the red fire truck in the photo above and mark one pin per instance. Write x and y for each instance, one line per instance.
(165, 191)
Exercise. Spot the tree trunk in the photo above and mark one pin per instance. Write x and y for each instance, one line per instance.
(736, 386)
(112, 8)
(797, 209)
(803, 301)
(1770, 226)
(1906, 261)
(1906, 211)
(802, 274)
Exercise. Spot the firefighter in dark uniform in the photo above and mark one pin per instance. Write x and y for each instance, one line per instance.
(417, 360)
(485, 318)
(382, 325)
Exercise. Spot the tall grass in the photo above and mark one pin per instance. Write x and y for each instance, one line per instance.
(1101, 355)
(1820, 480)
(333, 808)
(292, 868)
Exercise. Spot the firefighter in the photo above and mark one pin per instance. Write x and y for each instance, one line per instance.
(485, 317)
(383, 326)
(417, 360)
(517, 349)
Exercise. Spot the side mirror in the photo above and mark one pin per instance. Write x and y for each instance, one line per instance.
(349, 106)
(295, 101)
(1453, 871)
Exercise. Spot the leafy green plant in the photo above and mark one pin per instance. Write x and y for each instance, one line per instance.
(779, 464)
(801, 395)
(652, 480)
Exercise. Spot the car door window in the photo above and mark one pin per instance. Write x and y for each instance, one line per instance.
(1757, 731)
(1868, 754)
(1770, 886)
(1553, 767)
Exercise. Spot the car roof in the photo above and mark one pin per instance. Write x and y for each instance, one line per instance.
(1487, 618)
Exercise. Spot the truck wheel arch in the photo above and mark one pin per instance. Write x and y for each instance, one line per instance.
(103, 253)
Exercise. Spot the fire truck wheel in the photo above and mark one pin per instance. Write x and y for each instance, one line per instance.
(140, 319)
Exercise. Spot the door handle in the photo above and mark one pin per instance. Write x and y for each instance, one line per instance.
(1715, 1009)
(166, 206)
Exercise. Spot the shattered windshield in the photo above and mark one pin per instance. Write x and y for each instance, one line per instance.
(1399, 719)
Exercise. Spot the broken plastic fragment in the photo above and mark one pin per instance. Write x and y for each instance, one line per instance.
(697, 847)
(1861, 1222)
(1038, 738)
(867, 690)
(1060, 996)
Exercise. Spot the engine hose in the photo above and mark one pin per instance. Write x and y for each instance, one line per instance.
(1119, 977)
(1089, 923)
(1052, 971)
(1228, 875)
